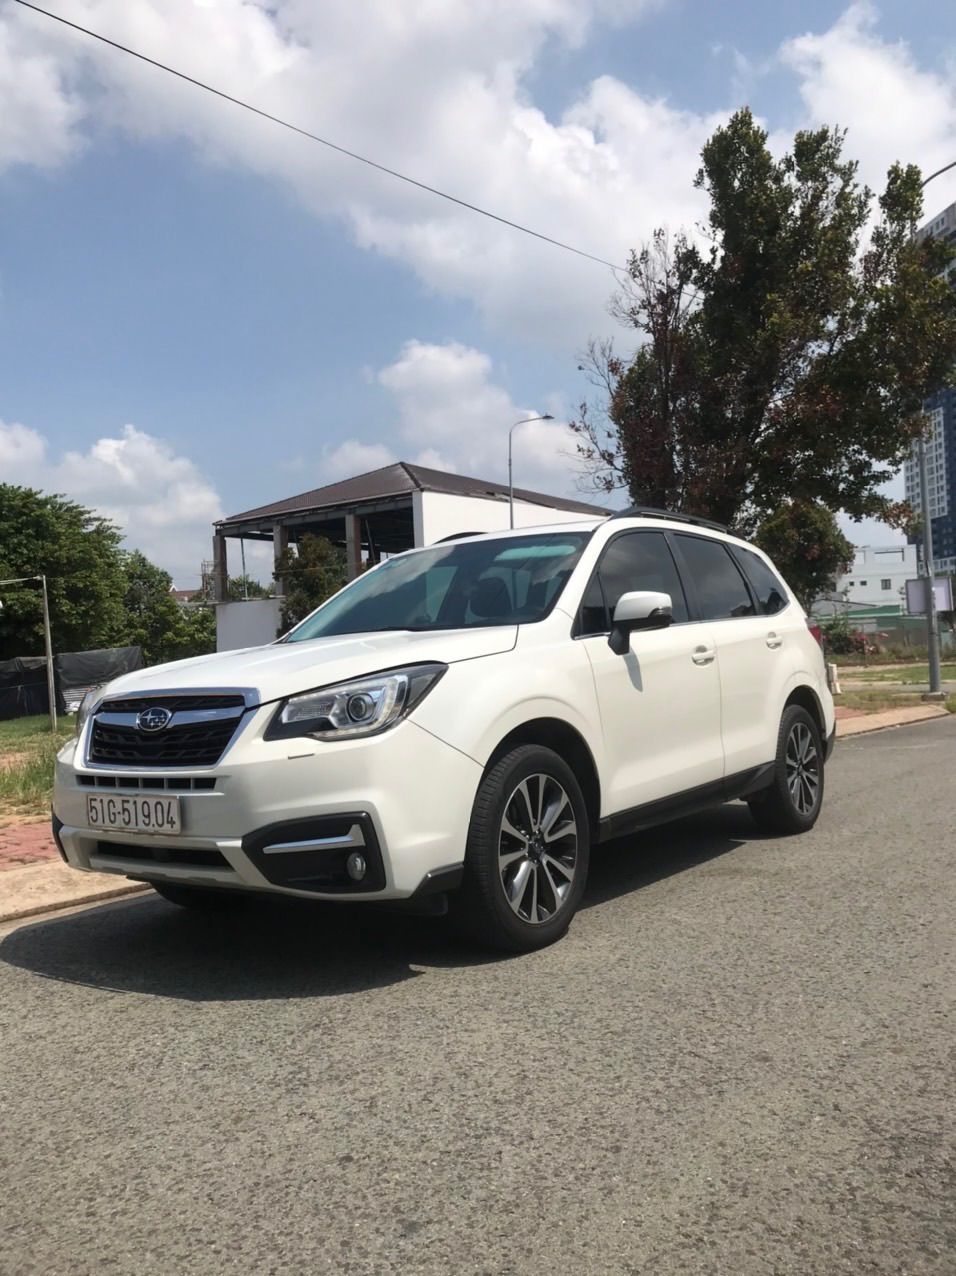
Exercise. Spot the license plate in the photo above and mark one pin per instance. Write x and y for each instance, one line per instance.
(134, 814)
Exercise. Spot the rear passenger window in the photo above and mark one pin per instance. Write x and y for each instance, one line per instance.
(770, 591)
(635, 560)
(721, 590)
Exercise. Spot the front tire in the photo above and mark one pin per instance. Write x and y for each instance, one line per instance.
(197, 897)
(527, 856)
(792, 802)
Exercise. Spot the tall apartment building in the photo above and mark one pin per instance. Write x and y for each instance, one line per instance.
(940, 446)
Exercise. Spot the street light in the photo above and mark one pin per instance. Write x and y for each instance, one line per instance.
(525, 420)
(932, 623)
(48, 642)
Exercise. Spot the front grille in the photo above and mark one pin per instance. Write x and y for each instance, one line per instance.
(194, 744)
(185, 856)
(174, 703)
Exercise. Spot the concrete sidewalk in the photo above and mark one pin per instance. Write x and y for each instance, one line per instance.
(51, 885)
(35, 880)
(888, 718)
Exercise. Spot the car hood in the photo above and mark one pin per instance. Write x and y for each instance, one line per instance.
(283, 669)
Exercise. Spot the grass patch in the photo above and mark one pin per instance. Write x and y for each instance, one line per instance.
(913, 656)
(877, 701)
(906, 674)
(28, 752)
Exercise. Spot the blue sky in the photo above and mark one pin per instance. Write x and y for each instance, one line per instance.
(199, 314)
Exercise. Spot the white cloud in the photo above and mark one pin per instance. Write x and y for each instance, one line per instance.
(160, 499)
(452, 415)
(893, 109)
(353, 457)
(440, 90)
(437, 90)
(39, 114)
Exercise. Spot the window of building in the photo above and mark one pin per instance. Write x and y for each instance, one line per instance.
(886, 583)
(720, 588)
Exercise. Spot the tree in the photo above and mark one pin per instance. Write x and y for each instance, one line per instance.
(785, 360)
(803, 539)
(154, 620)
(195, 634)
(243, 587)
(311, 572)
(78, 552)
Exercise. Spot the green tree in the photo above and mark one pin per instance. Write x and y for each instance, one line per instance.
(154, 620)
(787, 359)
(194, 635)
(310, 572)
(241, 587)
(803, 539)
(79, 553)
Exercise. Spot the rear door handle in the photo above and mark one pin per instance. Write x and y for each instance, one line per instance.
(703, 655)
(774, 641)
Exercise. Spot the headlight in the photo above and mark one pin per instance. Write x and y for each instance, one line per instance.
(86, 708)
(351, 709)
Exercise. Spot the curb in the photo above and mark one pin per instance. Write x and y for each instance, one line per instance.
(889, 718)
(51, 886)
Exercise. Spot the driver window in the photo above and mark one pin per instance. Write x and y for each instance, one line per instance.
(634, 561)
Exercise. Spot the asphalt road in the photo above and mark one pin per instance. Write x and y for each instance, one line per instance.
(739, 1061)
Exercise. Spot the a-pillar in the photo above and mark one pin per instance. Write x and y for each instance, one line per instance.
(353, 545)
(220, 568)
(280, 543)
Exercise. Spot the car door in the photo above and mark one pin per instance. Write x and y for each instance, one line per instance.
(660, 702)
(751, 653)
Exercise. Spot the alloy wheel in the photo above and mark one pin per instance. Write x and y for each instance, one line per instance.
(537, 848)
(803, 768)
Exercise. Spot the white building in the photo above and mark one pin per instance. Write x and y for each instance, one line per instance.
(878, 576)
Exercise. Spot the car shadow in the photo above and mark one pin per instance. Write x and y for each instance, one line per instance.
(630, 863)
(281, 949)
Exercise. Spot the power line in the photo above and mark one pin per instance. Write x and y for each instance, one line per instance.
(313, 137)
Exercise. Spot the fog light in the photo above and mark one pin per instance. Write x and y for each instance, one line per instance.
(356, 866)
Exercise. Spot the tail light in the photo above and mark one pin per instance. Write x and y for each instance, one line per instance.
(817, 632)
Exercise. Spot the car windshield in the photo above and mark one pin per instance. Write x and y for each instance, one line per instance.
(510, 580)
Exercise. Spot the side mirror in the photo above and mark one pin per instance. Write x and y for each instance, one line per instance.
(642, 609)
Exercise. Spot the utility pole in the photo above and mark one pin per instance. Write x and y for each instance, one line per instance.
(525, 420)
(932, 624)
(48, 643)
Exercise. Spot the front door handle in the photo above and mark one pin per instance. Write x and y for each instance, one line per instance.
(703, 655)
(774, 641)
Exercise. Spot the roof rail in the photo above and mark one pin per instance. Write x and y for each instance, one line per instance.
(647, 511)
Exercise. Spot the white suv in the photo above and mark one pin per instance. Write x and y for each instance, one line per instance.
(465, 722)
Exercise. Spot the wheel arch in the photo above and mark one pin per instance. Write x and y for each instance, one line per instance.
(805, 696)
(568, 743)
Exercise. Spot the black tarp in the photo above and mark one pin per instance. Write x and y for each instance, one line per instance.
(23, 687)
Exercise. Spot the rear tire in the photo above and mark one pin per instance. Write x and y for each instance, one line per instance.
(198, 897)
(526, 861)
(792, 802)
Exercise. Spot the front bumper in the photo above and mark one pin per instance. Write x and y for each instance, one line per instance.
(284, 815)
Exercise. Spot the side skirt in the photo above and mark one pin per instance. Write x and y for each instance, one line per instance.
(741, 785)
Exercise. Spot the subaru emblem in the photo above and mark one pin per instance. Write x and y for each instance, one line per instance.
(154, 718)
